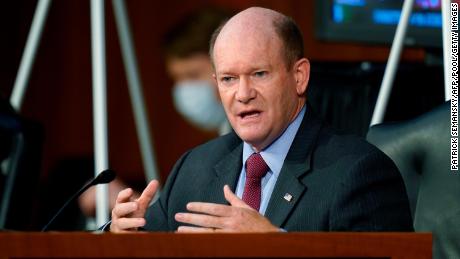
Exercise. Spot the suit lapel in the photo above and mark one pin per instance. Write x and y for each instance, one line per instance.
(289, 188)
(227, 171)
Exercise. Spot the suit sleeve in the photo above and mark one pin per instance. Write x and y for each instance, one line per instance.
(371, 197)
(157, 214)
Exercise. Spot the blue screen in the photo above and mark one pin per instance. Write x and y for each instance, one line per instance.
(425, 13)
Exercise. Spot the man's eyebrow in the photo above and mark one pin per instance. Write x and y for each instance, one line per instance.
(251, 69)
(223, 73)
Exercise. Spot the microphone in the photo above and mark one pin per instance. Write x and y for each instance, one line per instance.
(105, 176)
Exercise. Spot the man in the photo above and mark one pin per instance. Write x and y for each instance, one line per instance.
(282, 169)
(189, 65)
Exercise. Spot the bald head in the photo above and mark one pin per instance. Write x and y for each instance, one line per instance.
(253, 20)
(264, 26)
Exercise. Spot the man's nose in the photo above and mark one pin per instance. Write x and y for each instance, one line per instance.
(245, 92)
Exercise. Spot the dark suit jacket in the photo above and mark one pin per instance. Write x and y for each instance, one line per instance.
(338, 183)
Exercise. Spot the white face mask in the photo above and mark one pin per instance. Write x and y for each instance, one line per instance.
(197, 102)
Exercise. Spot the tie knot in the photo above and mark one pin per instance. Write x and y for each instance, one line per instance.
(256, 166)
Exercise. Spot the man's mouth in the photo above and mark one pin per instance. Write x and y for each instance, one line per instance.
(249, 114)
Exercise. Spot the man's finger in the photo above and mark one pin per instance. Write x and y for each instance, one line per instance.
(233, 199)
(209, 208)
(129, 223)
(124, 195)
(148, 194)
(199, 220)
(123, 209)
(187, 229)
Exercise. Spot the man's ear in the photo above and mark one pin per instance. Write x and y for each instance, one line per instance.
(302, 75)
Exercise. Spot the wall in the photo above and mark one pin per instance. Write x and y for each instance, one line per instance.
(59, 93)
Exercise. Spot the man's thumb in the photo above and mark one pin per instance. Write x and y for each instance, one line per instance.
(233, 199)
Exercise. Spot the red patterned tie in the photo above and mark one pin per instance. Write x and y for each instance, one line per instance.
(256, 168)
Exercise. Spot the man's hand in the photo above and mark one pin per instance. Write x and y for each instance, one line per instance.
(210, 217)
(128, 213)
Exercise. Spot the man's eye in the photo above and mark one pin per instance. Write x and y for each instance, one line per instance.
(260, 73)
(226, 79)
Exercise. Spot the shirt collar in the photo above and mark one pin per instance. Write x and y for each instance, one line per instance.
(276, 152)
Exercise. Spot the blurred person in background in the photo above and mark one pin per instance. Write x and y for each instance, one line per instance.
(194, 92)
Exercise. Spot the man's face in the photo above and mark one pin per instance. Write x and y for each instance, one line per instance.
(257, 90)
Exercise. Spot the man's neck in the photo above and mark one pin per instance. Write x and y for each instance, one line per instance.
(262, 146)
(259, 148)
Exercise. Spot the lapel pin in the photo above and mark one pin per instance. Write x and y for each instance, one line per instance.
(288, 197)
